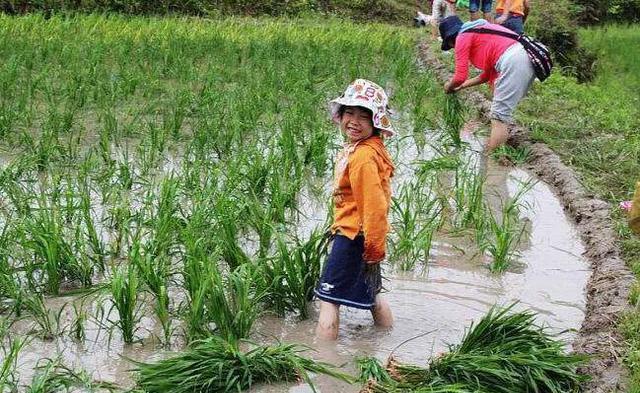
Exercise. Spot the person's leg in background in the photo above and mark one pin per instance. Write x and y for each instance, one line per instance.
(486, 10)
(474, 9)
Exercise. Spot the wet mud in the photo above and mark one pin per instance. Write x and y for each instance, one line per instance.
(608, 288)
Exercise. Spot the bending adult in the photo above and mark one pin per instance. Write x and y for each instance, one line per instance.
(504, 63)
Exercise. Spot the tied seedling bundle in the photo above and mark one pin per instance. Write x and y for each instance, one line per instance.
(213, 365)
(505, 352)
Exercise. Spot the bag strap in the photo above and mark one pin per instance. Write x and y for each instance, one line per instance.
(483, 30)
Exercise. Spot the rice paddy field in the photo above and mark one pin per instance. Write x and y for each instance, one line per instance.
(165, 186)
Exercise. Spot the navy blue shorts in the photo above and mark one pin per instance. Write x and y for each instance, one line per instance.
(514, 23)
(346, 279)
(476, 5)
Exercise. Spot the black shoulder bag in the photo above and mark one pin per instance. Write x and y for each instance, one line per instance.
(538, 53)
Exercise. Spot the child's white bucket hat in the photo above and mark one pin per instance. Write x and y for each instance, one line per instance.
(366, 94)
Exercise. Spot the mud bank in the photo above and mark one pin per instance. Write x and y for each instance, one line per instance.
(608, 287)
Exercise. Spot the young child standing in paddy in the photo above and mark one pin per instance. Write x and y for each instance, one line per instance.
(362, 194)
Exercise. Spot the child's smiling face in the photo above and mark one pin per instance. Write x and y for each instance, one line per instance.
(356, 123)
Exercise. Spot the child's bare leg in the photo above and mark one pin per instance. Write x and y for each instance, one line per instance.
(381, 312)
(328, 321)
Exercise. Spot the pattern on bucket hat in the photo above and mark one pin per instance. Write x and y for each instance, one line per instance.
(369, 95)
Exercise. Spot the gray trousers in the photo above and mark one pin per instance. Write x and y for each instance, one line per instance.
(516, 75)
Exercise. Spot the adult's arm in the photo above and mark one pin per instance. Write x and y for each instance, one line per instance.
(463, 45)
(478, 80)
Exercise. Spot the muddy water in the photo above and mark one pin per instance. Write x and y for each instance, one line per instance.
(432, 304)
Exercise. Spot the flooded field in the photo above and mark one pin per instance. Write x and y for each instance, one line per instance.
(432, 304)
(152, 195)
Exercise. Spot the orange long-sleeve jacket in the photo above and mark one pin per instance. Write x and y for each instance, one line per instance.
(362, 195)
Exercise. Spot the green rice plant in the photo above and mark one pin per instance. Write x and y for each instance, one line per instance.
(44, 237)
(513, 155)
(124, 293)
(164, 222)
(453, 117)
(371, 369)
(415, 217)
(442, 163)
(9, 363)
(289, 277)
(154, 272)
(53, 376)
(77, 330)
(468, 196)
(501, 236)
(213, 365)
(90, 229)
(47, 322)
(232, 302)
(120, 218)
(503, 352)
(227, 213)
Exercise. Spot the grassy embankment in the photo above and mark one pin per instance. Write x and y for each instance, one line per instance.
(595, 129)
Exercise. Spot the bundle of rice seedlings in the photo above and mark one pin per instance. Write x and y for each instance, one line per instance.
(371, 369)
(504, 352)
(453, 118)
(213, 365)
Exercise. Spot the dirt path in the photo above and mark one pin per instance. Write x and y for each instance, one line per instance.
(608, 287)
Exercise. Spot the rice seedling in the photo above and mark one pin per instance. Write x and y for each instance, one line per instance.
(467, 196)
(47, 322)
(8, 364)
(77, 330)
(227, 213)
(231, 303)
(512, 155)
(442, 163)
(53, 376)
(501, 236)
(415, 219)
(52, 255)
(503, 352)
(453, 117)
(371, 369)
(213, 365)
(291, 275)
(124, 293)
(91, 232)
